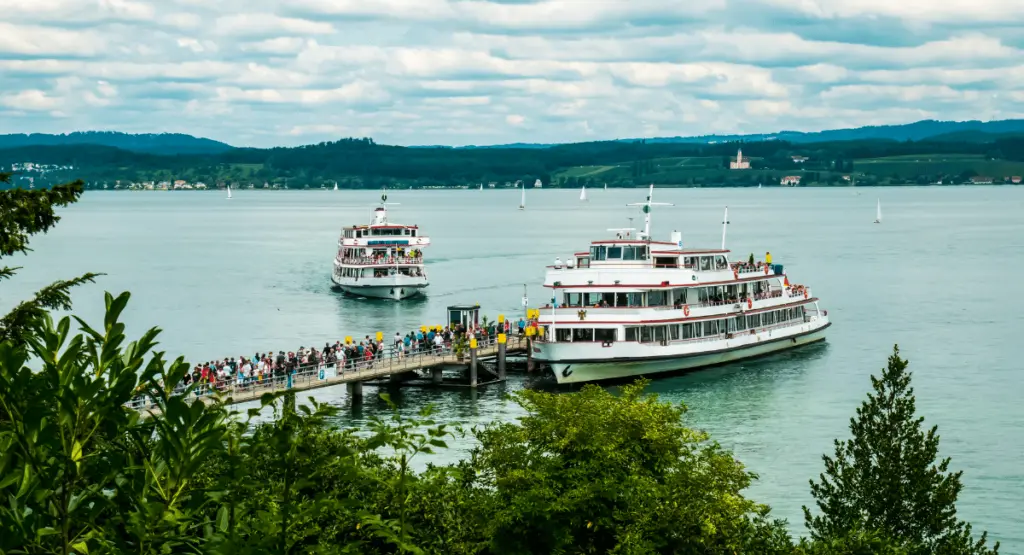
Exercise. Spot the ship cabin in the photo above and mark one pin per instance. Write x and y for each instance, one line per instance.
(605, 294)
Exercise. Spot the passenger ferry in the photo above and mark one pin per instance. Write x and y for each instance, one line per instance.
(381, 260)
(632, 306)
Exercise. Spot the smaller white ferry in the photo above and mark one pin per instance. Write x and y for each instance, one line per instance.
(632, 306)
(381, 260)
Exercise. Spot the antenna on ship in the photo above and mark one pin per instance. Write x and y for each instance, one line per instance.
(725, 225)
(380, 213)
(647, 211)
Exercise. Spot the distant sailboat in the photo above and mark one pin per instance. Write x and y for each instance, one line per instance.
(605, 186)
(522, 202)
(481, 187)
(878, 213)
(229, 192)
(583, 193)
(758, 185)
(335, 185)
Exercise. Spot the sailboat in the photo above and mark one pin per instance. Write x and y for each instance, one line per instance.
(758, 185)
(229, 192)
(878, 213)
(335, 185)
(583, 193)
(522, 203)
(481, 187)
(605, 186)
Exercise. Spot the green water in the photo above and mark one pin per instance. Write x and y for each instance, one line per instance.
(227, 278)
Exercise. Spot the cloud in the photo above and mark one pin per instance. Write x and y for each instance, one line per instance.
(261, 73)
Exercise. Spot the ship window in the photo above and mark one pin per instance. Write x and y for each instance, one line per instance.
(656, 298)
(413, 232)
(659, 333)
(563, 335)
(608, 299)
(673, 331)
(711, 327)
(731, 325)
(598, 252)
(358, 234)
(705, 263)
(348, 234)
(687, 331)
(720, 263)
(583, 334)
(621, 299)
(645, 334)
(635, 299)
(583, 262)
(591, 299)
(690, 262)
(702, 294)
(614, 253)
(698, 329)
(631, 333)
(666, 262)
(604, 334)
(573, 299)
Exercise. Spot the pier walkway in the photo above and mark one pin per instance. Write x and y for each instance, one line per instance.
(388, 365)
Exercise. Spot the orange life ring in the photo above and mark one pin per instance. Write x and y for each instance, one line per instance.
(805, 294)
(750, 303)
(686, 310)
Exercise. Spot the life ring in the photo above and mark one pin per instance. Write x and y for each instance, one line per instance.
(686, 310)
(806, 294)
(750, 303)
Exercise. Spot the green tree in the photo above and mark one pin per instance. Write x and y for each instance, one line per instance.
(593, 472)
(887, 478)
(26, 213)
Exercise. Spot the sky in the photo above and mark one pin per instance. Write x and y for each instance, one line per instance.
(456, 72)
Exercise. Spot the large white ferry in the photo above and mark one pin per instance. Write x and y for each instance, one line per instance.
(632, 306)
(381, 260)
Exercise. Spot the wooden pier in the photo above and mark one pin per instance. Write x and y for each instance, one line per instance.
(396, 369)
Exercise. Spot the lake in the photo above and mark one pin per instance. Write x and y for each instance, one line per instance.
(939, 277)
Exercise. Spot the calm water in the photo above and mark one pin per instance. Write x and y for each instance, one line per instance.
(226, 278)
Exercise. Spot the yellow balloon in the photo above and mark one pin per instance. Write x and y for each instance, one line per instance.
(348, 339)
(501, 318)
(502, 339)
(423, 329)
(380, 336)
(472, 343)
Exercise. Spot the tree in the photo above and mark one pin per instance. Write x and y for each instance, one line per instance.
(886, 480)
(593, 472)
(26, 213)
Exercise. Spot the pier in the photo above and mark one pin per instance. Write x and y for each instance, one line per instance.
(482, 362)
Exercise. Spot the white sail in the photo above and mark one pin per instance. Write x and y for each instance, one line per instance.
(335, 185)
(605, 186)
(481, 187)
(583, 193)
(522, 202)
(878, 212)
(229, 191)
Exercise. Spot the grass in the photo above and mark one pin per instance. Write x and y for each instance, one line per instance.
(947, 165)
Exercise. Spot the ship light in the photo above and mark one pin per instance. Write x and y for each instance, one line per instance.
(558, 284)
(664, 283)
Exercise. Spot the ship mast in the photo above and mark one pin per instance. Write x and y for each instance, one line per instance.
(725, 225)
(646, 207)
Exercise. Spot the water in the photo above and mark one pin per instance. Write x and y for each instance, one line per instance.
(227, 278)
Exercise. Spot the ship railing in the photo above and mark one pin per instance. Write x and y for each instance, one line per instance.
(721, 336)
(369, 261)
(388, 358)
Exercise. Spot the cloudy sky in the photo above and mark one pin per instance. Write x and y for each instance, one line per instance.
(263, 73)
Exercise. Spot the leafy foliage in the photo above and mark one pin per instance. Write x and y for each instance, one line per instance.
(887, 478)
(26, 213)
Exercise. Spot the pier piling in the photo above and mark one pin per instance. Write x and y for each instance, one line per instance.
(355, 390)
(436, 376)
(501, 356)
(472, 362)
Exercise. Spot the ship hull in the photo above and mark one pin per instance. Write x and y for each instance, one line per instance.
(630, 360)
(392, 287)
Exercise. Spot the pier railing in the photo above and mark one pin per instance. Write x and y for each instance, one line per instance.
(389, 360)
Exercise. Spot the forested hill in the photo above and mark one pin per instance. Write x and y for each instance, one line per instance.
(156, 143)
(361, 163)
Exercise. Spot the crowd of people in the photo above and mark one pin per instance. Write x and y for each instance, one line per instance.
(244, 371)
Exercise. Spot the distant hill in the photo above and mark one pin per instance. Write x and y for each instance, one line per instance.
(916, 131)
(148, 143)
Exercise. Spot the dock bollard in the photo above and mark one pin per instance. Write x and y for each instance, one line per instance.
(501, 356)
(472, 362)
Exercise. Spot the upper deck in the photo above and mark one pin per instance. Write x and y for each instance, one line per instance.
(381, 234)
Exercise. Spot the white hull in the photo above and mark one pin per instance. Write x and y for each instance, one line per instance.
(391, 287)
(631, 359)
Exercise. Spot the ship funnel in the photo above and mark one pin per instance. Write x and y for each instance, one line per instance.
(677, 238)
